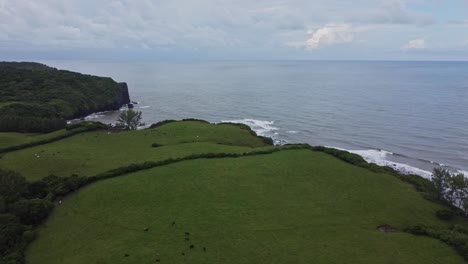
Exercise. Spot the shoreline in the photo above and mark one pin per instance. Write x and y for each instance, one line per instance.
(371, 155)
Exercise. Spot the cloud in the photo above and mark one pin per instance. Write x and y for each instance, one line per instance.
(415, 44)
(330, 34)
(224, 26)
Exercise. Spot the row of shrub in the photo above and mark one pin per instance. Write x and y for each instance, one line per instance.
(25, 205)
(72, 130)
(422, 185)
(14, 123)
(454, 236)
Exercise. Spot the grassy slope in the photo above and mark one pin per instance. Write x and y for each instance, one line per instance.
(294, 206)
(95, 152)
(8, 139)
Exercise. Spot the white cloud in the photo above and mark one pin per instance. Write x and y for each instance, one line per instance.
(224, 26)
(415, 44)
(330, 34)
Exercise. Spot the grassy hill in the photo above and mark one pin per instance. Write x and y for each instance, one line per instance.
(37, 98)
(293, 206)
(287, 206)
(91, 153)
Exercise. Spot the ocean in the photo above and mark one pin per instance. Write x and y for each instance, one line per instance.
(412, 116)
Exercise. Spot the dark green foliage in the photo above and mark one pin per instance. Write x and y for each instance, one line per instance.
(161, 123)
(15, 123)
(37, 98)
(445, 215)
(129, 119)
(241, 126)
(2, 205)
(12, 185)
(343, 155)
(267, 140)
(453, 236)
(440, 179)
(31, 212)
(37, 189)
(61, 186)
(11, 231)
(29, 236)
(196, 120)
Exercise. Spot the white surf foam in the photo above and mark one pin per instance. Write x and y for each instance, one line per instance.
(94, 116)
(144, 107)
(293, 132)
(380, 157)
(261, 127)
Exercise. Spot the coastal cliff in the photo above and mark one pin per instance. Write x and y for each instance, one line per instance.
(38, 98)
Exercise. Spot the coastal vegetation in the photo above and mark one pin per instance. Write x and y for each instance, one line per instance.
(242, 200)
(38, 98)
(129, 119)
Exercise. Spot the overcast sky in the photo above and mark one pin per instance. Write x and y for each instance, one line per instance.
(234, 29)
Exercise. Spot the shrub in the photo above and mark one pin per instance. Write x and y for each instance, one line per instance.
(29, 236)
(161, 123)
(31, 212)
(196, 120)
(12, 185)
(10, 233)
(445, 215)
(15, 123)
(37, 189)
(267, 140)
(156, 145)
(453, 237)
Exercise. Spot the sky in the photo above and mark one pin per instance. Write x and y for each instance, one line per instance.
(234, 30)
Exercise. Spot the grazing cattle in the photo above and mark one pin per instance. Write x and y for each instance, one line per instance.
(173, 223)
(126, 255)
(192, 246)
(183, 254)
(187, 239)
(146, 229)
(157, 260)
(204, 249)
(187, 233)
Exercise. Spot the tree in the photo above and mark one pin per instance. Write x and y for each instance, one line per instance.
(129, 119)
(440, 179)
(12, 185)
(31, 212)
(458, 185)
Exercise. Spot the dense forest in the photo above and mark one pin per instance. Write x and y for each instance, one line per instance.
(38, 98)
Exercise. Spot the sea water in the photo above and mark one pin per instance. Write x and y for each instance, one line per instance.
(412, 116)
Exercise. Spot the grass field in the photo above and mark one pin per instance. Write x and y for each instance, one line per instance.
(295, 206)
(8, 139)
(91, 153)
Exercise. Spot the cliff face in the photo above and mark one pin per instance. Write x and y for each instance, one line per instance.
(120, 97)
(124, 96)
(30, 91)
